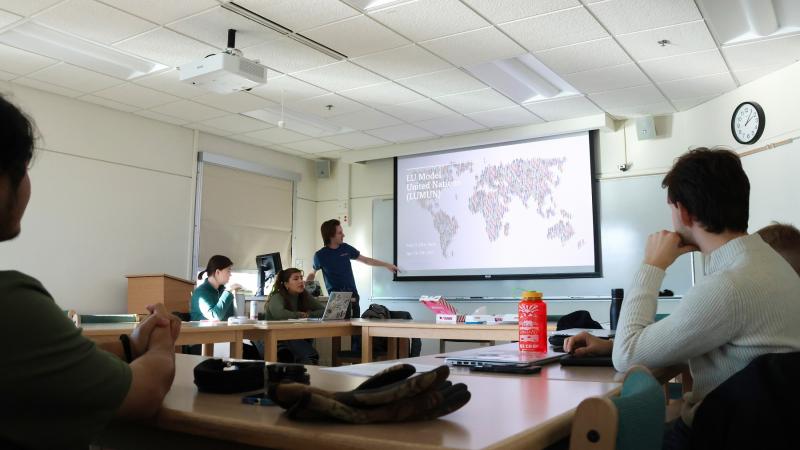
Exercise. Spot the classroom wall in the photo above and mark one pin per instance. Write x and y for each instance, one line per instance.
(113, 194)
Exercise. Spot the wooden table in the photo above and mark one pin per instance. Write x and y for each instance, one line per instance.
(505, 412)
(398, 328)
(282, 330)
(205, 333)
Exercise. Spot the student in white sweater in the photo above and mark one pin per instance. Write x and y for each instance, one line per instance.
(747, 305)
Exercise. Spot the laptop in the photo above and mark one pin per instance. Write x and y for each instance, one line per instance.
(510, 355)
(336, 308)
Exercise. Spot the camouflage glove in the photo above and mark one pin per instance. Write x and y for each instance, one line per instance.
(392, 395)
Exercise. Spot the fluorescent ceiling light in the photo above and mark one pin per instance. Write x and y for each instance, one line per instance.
(36, 38)
(366, 5)
(747, 20)
(523, 79)
(295, 121)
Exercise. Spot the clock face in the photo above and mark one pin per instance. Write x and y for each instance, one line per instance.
(747, 123)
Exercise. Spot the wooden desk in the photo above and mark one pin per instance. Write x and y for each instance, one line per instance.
(282, 330)
(505, 412)
(397, 328)
(205, 333)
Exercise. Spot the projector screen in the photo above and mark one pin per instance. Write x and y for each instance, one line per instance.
(521, 209)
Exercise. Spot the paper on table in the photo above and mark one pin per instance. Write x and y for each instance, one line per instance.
(368, 370)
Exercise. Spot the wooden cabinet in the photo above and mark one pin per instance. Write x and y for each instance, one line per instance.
(175, 293)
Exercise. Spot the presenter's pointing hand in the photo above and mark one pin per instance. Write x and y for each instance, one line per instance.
(392, 268)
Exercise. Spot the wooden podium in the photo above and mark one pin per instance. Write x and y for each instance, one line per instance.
(175, 293)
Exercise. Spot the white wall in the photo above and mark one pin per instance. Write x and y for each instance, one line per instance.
(113, 194)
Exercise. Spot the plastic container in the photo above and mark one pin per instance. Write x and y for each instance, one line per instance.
(616, 306)
(532, 323)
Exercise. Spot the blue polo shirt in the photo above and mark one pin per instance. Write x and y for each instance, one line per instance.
(336, 268)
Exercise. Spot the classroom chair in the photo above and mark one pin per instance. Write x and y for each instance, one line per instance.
(633, 420)
(406, 347)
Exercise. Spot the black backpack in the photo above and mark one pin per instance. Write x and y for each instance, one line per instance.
(376, 311)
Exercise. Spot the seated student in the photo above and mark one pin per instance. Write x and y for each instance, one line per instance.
(289, 300)
(58, 389)
(745, 306)
(785, 239)
(212, 300)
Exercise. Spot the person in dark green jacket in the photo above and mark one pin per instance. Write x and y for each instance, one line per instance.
(212, 300)
(289, 300)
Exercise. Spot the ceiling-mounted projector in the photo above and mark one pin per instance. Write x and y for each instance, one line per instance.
(225, 72)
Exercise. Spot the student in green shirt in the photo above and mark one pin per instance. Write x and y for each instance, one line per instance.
(59, 389)
(289, 300)
(212, 300)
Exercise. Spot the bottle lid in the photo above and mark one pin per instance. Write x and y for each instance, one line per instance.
(617, 293)
(532, 294)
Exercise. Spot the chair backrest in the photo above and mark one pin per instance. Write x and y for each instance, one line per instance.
(108, 318)
(633, 420)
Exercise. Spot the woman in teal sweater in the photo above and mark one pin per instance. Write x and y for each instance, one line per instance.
(211, 300)
(289, 300)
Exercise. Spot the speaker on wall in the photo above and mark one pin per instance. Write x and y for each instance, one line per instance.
(323, 168)
(645, 128)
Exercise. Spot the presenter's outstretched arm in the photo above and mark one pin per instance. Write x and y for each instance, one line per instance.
(377, 263)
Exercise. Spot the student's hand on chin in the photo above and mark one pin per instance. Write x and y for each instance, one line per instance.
(664, 247)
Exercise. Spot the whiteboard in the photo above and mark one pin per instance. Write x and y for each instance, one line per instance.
(774, 185)
(630, 209)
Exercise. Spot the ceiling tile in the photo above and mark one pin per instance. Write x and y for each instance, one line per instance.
(138, 96)
(42, 86)
(505, 117)
(6, 18)
(402, 62)
(698, 86)
(684, 66)
(650, 109)
(356, 36)
(469, 102)
(313, 13)
(188, 110)
(236, 123)
(286, 88)
(75, 78)
(607, 78)
(249, 140)
(474, 47)
(161, 117)
(382, 94)
(422, 20)
(365, 119)
(287, 56)
(748, 75)
(563, 108)
(212, 27)
(689, 103)
(318, 106)
(499, 12)
(170, 83)
(166, 47)
(336, 154)
(784, 50)
(683, 38)
(277, 135)
(236, 102)
(555, 29)
(208, 129)
(401, 133)
(341, 76)
(584, 56)
(161, 11)
(7, 76)
(642, 95)
(417, 111)
(83, 18)
(451, 81)
(355, 140)
(108, 103)
(447, 125)
(313, 146)
(21, 62)
(27, 7)
(627, 16)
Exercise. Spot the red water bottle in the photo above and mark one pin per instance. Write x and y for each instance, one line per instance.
(532, 323)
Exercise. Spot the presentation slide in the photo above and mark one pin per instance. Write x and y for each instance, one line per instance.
(508, 210)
